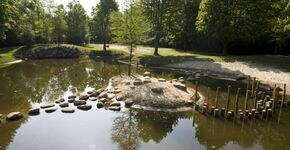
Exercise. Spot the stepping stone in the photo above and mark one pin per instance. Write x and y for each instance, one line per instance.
(85, 107)
(93, 99)
(14, 116)
(60, 100)
(100, 105)
(103, 95)
(63, 105)
(137, 82)
(146, 80)
(103, 100)
(119, 97)
(84, 97)
(50, 110)
(47, 106)
(115, 108)
(34, 111)
(71, 100)
(161, 80)
(111, 96)
(72, 97)
(78, 102)
(147, 74)
(90, 92)
(115, 104)
(68, 110)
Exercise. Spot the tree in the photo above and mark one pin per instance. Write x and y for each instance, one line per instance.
(101, 19)
(130, 27)
(77, 22)
(59, 24)
(230, 20)
(7, 16)
(154, 10)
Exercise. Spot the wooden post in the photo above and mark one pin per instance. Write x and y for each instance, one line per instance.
(237, 101)
(216, 97)
(207, 99)
(248, 83)
(274, 98)
(255, 99)
(253, 86)
(246, 101)
(228, 98)
(196, 90)
(284, 96)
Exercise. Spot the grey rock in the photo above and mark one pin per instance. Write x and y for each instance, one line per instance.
(147, 80)
(93, 99)
(84, 97)
(180, 86)
(115, 104)
(78, 102)
(63, 105)
(129, 103)
(100, 105)
(90, 92)
(71, 100)
(47, 106)
(147, 74)
(50, 110)
(85, 107)
(161, 80)
(14, 116)
(115, 108)
(120, 97)
(103, 95)
(67, 110)
(157, 90)
(137, 82)
(72, 96)
(60, 100)
(34, 111)
(103, 100)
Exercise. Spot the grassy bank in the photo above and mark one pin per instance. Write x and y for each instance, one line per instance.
(7, 54)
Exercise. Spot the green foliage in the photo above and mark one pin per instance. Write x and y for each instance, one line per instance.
(59, 25)
(77, 21)
(7, 16)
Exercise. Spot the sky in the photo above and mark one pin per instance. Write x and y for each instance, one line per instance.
(87, 4)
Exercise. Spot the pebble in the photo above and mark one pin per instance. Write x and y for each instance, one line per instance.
(14, 116)
(85, 107)
(100, 105)
(68, 110)
(50, 110)
(34, 111)
(64, 105)
(47, 106)
(78, 102)
(115, 108)
(115, 104)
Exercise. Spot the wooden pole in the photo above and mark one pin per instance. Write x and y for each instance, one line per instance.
(255, 99)
(228, 98)
(284, 96)
(216, 97)
(274, 98)
(237, 101)
(248, 83)
(246, 102)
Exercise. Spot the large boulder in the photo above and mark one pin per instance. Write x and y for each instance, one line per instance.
(14, 116)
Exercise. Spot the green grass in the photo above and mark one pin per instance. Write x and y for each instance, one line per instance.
(7, 55)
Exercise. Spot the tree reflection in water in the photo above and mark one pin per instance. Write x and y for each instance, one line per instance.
(135, 125)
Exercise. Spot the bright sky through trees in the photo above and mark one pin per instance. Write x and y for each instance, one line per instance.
(88, 4)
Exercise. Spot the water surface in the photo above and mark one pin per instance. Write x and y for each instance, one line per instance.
(30, 83)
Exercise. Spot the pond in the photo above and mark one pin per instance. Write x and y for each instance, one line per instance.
(31, 83)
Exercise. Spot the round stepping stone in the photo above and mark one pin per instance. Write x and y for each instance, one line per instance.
(90, 92)
(85, 107)
(50, 110)
(103, 95)
(100, 105)
(63, 105)
(147, 74)
(115, 108)
(47, 106)
(60, 100)
(34, 111)
(161, 80)
(93, 99)
(84, 97)
(103, 100)
(14, 116)
(67, 110)
(78, 102)
(71, 100)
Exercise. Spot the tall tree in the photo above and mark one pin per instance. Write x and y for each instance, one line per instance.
(7, 16)
(59, 24)
(77, 21)
(101, 19)
(130, 27)
(154, 10)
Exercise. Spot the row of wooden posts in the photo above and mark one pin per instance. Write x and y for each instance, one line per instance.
(264, 105)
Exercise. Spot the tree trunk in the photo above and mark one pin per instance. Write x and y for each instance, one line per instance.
(104, 37)
(156, 44)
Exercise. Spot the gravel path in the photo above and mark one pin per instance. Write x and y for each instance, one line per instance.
(266, 74)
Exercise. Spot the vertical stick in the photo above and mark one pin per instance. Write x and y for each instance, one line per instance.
(274, 97)
(284, 96)
(246, 102)
(255, 100)
(216, 97)
(228, 99)
(196, 90)
(248, 83)
(253, 86)
(237, 100)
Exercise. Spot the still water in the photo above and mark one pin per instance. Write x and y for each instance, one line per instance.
(30, 83)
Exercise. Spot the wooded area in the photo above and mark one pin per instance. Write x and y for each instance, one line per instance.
(228, 26)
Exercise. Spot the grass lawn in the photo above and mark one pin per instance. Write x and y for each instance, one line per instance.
(6, 54)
